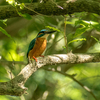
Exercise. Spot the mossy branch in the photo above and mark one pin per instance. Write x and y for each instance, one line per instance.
(51, 8)
(16, 87)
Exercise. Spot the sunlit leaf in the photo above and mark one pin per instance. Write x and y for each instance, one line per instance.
(64, 47)
(97, 27)
(86, 25)
(4, 31)
(95, 38)
(68, 22)
(76, 40)
(27, 16)
(83, 23)
(22, 5)
(80, 31)
(4, 21)
(93, 23)
(53, 28)
(12, 2)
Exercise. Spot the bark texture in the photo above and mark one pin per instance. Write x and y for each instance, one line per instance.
(51, 8)
(16, 87)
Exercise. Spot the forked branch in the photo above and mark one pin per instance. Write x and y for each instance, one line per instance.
(16, 85)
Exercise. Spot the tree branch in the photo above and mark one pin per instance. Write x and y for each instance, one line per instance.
(16, 85)
(51, 8)
(83, 86)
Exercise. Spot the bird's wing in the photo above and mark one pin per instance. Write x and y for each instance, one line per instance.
(31, 45)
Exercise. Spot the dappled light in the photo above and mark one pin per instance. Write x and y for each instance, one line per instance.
(68, 68)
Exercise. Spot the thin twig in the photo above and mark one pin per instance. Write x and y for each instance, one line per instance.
(31, 9)
(54, 43)
(65, 37)
(85, 87)
(14, 62)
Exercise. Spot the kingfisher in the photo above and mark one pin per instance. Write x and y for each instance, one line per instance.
(38, 44)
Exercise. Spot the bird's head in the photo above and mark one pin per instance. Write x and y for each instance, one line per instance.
(44, 33)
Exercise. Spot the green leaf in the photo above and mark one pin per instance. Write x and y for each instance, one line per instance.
(80, 31)
(97, 27)
(12, 2)
(68, 22)
(4, 31)
(86, 25)
(95, 38)
(64, 47)
(27, 16)
(93, 23)
(53, 28)
(83, 23)
(76, 40)
(4, 21)
(22, 5)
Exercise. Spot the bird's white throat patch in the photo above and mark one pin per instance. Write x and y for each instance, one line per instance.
(45, 36)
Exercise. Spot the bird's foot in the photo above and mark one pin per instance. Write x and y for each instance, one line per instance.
(35, 58)
(41, 55)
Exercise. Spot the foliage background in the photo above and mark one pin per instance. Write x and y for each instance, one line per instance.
(43, 84)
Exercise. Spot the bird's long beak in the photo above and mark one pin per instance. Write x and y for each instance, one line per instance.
(49, 32)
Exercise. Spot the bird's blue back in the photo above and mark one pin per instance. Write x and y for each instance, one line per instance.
(31, 45)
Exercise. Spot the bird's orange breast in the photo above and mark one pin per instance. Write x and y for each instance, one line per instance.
(38, 48)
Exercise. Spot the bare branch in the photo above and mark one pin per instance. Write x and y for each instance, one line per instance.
(83, 86)
(4, 62)
(16, 85)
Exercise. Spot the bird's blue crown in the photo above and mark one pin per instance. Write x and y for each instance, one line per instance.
(43, 30)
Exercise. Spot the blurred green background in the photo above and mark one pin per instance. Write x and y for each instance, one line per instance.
(43, 84)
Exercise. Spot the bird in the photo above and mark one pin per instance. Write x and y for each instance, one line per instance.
(38, 44)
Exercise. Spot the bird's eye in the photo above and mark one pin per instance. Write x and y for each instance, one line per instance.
(45, 31)
(39, 33)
